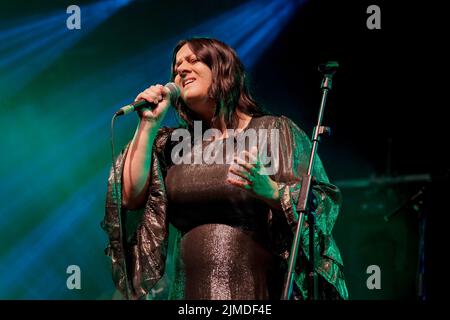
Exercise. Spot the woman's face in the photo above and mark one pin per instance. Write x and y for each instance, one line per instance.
(193, 77)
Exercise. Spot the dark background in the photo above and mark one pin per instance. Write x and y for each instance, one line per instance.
(385, 124)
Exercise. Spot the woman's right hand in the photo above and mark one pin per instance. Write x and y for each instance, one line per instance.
(160, 96)
(136, 172)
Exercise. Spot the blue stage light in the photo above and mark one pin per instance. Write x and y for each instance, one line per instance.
(78, 133)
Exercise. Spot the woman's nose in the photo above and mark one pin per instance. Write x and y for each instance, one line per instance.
(183, 69)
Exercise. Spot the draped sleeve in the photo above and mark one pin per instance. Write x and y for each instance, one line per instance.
(294, 152)
(139, 251)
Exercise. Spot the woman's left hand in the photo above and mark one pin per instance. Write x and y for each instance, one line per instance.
(261, 185)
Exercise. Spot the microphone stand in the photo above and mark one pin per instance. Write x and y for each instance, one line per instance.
(411, 202)
(415, 202)
(303, 204)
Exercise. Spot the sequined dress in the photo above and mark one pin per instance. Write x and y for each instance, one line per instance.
(223, 248)
(227, 244)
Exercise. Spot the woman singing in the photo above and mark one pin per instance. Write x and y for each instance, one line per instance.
(230, 195)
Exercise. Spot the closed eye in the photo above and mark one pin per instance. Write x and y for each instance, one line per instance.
(193, 59)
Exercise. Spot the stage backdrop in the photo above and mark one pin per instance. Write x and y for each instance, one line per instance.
(66, 67)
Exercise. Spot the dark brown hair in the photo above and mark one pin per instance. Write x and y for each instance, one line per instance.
(229, 88)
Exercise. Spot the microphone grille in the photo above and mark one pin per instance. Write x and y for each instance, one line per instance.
(174, 91)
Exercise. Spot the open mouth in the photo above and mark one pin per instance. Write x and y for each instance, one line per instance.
(188, 81)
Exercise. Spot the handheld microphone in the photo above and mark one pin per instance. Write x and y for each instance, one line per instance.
(174, 93)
